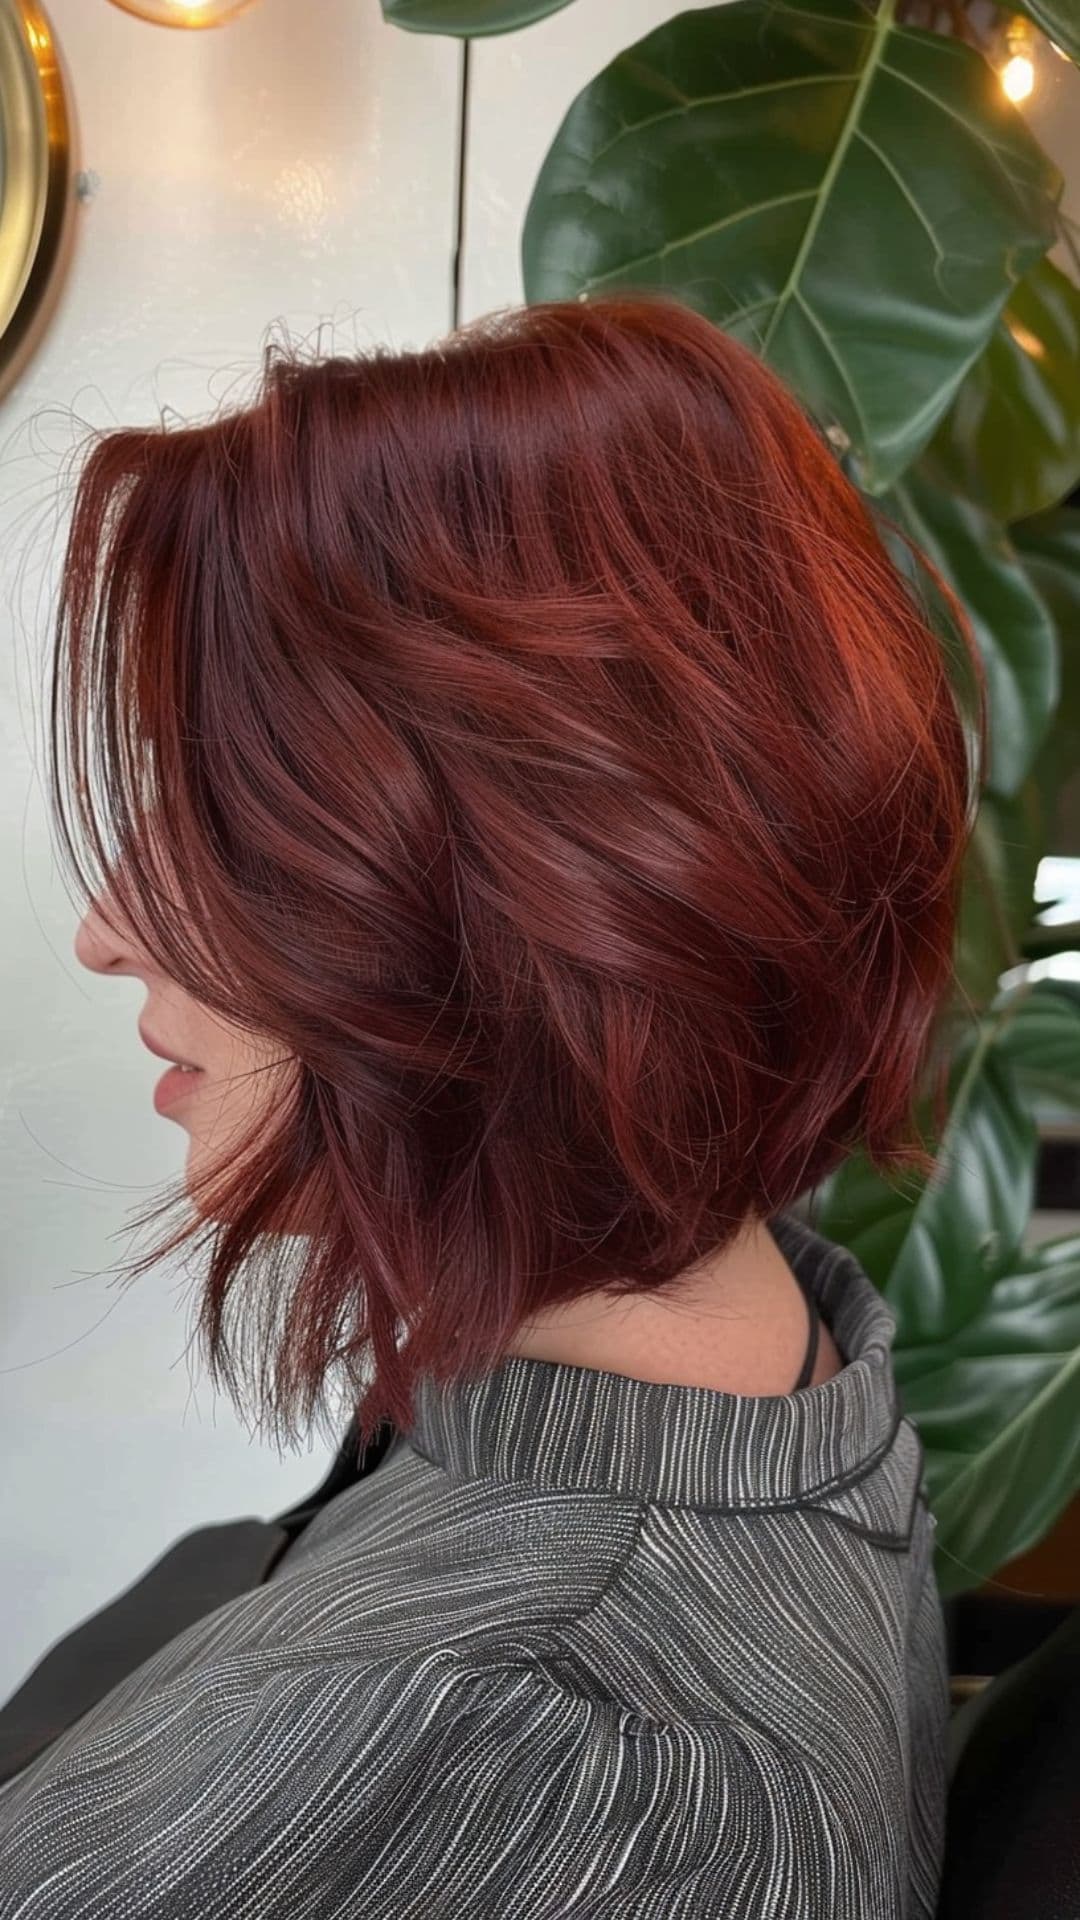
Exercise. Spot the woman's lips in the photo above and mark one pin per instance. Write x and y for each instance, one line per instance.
(174, 1086)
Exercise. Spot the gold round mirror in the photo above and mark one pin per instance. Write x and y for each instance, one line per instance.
(35, 161)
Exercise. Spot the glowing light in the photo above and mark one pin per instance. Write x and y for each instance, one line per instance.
(1018, 76)
(184, 13)
(1027, 341)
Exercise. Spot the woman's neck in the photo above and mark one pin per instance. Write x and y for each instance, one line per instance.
(737, 1323)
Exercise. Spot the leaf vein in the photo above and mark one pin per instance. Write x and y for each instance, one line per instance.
(882, 27)
(993, 147)
(701, 233)
(831, 349)
(895, 174)
(716, 100)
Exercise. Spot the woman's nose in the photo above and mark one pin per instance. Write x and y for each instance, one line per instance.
(101, 943)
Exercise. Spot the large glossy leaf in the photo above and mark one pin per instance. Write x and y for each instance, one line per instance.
(933, 1246)
(793, 169)
(997, 1405)
(1059, 19)
(1014, 630)
(997, 903)
(467, 18)
(1049, 548)
(1011, 438)
(1041, 1043)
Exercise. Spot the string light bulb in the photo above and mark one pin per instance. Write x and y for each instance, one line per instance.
(184, 13)
(1018, 73)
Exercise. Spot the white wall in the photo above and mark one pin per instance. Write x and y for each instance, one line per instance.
(296, 165)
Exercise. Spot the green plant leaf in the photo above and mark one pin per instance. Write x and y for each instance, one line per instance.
(790, 168)
(997, 900)
(1014, 630)
(1041, 1043)
(935, 1246)
(1059, 20)
(1011, 438)
(995, 1401)
(467, 18)
(1049, 548)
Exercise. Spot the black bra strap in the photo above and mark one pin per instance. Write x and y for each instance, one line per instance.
(808, 1364)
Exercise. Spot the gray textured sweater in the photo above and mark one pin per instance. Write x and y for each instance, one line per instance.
(583, 1645)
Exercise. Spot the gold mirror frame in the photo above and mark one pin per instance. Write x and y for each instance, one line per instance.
(35, 174)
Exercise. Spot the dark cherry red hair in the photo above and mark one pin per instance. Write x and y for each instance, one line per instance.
(533, 735)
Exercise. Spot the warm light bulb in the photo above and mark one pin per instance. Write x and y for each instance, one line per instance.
(184, 13)
(1018, 76)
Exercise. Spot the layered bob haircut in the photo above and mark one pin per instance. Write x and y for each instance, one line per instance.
(532, 735)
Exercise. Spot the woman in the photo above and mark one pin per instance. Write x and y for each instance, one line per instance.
(533, 803)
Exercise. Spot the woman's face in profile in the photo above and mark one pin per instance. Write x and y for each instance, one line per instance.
(229, 1079)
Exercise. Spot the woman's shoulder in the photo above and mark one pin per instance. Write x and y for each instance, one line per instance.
(432, 1782)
